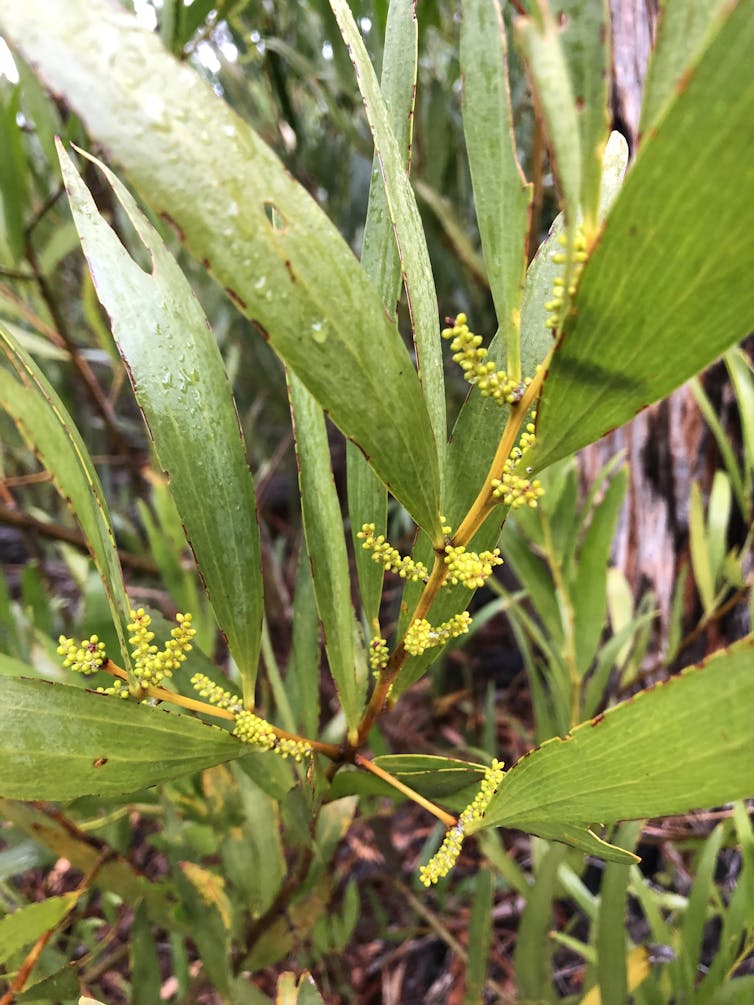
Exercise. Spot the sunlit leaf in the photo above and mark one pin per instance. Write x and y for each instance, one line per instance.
(682, 745)
(661, 296)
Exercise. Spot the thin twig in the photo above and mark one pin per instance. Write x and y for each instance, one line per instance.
(56, 532)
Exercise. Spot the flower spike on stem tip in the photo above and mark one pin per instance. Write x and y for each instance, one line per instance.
(447, 854)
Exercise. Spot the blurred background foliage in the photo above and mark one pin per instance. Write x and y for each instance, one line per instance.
(361, 928)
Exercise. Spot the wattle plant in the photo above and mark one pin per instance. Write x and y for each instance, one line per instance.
(635, 290)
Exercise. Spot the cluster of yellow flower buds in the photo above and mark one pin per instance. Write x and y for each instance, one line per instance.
(477, 369)
(118, 689)
(516, 490)
(379, 654)
(556, 305)
(390, 557)
(447, 854)
(252, 729)
(468, 567)
(152, 666)
(83, 657)
(421, 635)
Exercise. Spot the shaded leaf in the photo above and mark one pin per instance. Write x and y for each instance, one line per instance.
(326, 546)
(681, 34)
(367, 500)
(501, 195)
(115, 873)
(539, 38)
(24, 926)
(48, 429)
(179, 380)
(445, 780)
(59, 742)
(585, 38)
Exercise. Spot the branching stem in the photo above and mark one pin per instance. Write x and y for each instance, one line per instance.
(477, 514)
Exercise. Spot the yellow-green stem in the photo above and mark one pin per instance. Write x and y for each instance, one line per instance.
(470, 524)
(485, 501)
(567, 618)
(379, 696)
(447, 818)
(194, 705)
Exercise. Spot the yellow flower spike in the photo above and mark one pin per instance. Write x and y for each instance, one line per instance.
(151, 666)
(252, 729)
(468, 567)
(421, 635)
(118, 689)
(390, 557)
(516, 491)
(418, 637)
(512, 489)
(555, 307)
(447, 854)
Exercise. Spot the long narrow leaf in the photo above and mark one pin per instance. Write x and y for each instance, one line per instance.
(681, 34)
(325, 543)
(256, 229)
(540, 41)
(585, 38)
(59, 742)
(50, 431)
(367, 500)
(181, 386)
(409, 232)
(501, 195)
